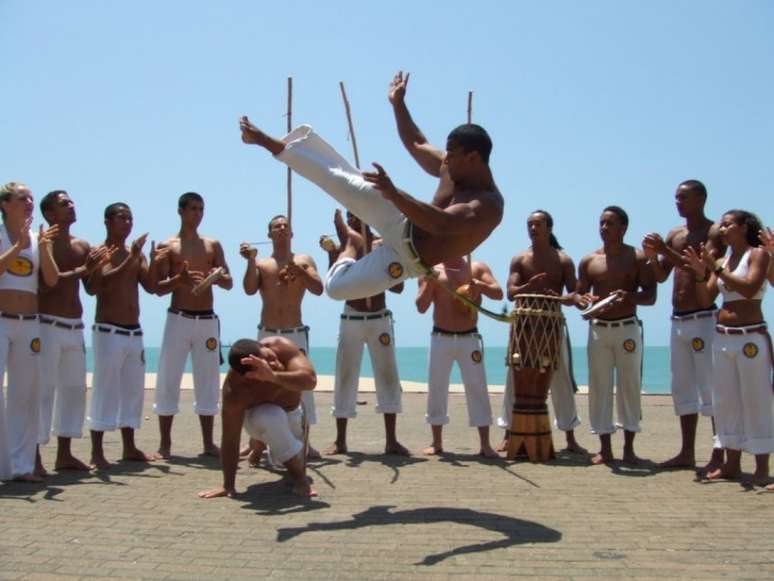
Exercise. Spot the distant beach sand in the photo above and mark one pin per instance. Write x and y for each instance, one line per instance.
(325, 383)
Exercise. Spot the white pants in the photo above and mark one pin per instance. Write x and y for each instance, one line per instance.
(119, 379)
(62, 378)
(311, 157)
(615, 346)
(742, 393)
(376, 332)
(562, 394)
(282, 431)
(691, 363)
(468, 351)
(20, 412)
(201, 338)
(299, 336)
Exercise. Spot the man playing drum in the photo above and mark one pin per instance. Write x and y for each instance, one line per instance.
(615, 334)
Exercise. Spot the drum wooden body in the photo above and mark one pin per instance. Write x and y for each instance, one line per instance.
(533, 354)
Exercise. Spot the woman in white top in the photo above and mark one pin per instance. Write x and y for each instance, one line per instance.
(742, 386)
(23, 257)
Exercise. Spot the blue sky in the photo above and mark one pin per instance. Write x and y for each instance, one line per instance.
(587, 103)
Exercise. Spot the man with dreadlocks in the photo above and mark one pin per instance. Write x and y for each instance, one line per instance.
(544, 268)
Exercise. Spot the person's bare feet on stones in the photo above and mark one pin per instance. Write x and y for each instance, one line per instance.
(682, 460)
(396, 449)
(336, 448)
(433, 450)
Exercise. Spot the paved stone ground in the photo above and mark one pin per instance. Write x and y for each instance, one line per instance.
(382, 517)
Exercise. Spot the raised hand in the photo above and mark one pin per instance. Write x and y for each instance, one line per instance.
(137, 245)
(327, 244)
(23, 236)
(247, 252)
(46, 237)
(535, 281)
(260, 370)
(767, 239)
(653, 245)
(397, 90)
(158, 254)
(693, 261)
(582, 301)
(99, 257)
(381, 181)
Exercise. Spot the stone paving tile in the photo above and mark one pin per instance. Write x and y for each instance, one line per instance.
(455, 516)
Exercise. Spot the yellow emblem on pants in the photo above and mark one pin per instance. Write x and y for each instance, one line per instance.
(630, 345)
(384, 339)
(476, 356)
(395, 270)
(35, 345)
(698, 344)
(750, 350)
(20, 266)
(211, 343)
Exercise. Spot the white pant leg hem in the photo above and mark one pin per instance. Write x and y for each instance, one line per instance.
(503, 423)
(567, 427)
(706, 410)
(437, 420)
(388, 409)
(686, 409)
(200, 411)
(630, 428)
(131, 424)
(165, 411)
(96, 426)
(730, 441)
(480, 422)
(64, 434)
(759, 446)
(343, 414)
(603, 431)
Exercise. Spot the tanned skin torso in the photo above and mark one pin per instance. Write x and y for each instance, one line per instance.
(281, 297)
(63, 300)
(202, 255)
(607, 273)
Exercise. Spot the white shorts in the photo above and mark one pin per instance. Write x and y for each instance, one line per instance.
(119, 378)
(468, 351)
(691, 362)
(62, 377)
(562, 393)
(742, 392)
(299, 336)
(198, 335)
(20, 409)
(615, 347)
(282, 431)
(375, 330)
(396, 260)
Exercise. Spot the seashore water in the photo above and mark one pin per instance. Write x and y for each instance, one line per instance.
(413, 362)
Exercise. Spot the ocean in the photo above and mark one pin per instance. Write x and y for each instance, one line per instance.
(412, 363)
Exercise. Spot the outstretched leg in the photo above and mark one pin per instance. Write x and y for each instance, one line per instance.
(252, 135)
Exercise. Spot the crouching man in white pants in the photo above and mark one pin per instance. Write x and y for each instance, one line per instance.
(262, 393)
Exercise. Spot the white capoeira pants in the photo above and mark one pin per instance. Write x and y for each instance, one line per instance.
(742, 391)
(468, 351)
(281, 430)
(198, 335)
(395, 260)
(62, 377)
(119, 378)
(299, 336)
(691, 362)
(562, 394)
(615, 347)
(374, 330)
(20, 411)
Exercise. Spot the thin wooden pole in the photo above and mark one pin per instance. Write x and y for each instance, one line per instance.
(363, 226)
(290, 172)
(470, 120)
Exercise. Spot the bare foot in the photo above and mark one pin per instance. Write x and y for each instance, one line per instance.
(211, 450)
(163, 453)
(254, 458)
(40, 470)
(502, 446)
(432, 450)
(711, 466)
(335, 448)
(488, 452)
(631, 459)
(70, 463)
(99, 463)
(29, 477)
(396, 449)
(724, 473)
(244, 451)
(682, 460)
(602, 458)
(135, 455)
(761, 477)
(302, 488)
(312, 454)
(575, 448)
(770, 488)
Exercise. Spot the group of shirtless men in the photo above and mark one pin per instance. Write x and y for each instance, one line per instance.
(268, 389)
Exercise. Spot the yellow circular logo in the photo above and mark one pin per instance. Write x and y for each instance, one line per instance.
(384, 339)
(211, 343)
(395, 269)
(630, 345)
(21, 266)
(750, 350)
(698, 344)
(476, 356)
(35, 345)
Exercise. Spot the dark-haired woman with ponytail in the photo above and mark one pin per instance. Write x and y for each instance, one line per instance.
(742, 388)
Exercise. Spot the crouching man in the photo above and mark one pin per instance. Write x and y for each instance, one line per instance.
(262, 392)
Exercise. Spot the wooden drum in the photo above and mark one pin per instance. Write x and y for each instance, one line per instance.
(533, 355)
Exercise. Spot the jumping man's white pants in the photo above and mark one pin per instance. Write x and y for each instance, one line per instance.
(282, 431)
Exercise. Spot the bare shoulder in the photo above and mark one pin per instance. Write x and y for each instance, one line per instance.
(284, 348)
(80, 244)
(170, 242)
(305, 259)
(480, 267)
(674, 232)
(565, 259)
(637, 254)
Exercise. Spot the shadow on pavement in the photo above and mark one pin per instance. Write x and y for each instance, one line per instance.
(392, 461)
(515, 531)
(275, 498)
